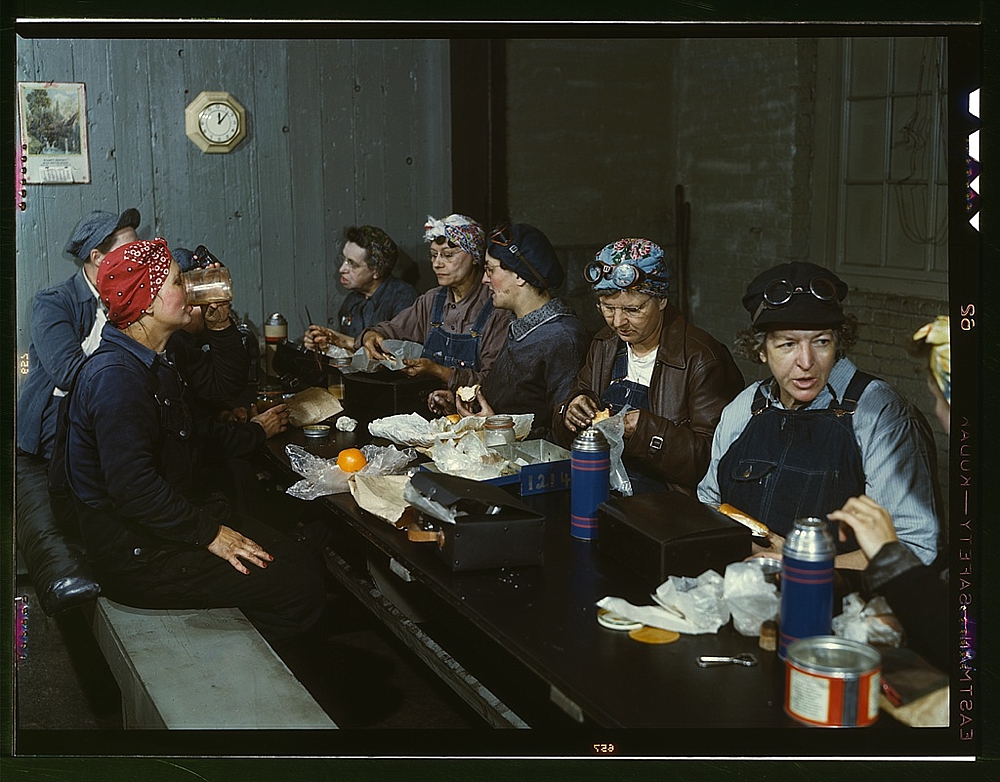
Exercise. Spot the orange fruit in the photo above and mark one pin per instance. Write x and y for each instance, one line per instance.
(351, 460)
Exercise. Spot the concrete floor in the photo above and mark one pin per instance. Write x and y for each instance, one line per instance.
(361, 675)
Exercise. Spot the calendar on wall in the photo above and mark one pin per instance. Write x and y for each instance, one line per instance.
(53, 117)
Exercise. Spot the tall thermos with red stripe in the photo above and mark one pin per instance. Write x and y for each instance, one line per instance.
(806, 583)
(590, 481)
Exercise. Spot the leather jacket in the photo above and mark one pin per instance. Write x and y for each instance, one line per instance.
(695, 376)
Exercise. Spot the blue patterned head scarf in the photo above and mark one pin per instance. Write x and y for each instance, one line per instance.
(645, 255)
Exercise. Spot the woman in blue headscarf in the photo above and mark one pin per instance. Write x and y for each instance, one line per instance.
(671, 379)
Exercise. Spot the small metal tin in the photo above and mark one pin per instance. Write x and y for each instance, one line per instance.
(316, 430)
(832, 682)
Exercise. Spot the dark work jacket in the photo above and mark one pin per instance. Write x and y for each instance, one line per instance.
(693, 379)
(132, 457)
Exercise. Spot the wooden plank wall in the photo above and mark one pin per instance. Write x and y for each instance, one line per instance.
(339, 132)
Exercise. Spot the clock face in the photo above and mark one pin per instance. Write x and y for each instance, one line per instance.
(218, 122)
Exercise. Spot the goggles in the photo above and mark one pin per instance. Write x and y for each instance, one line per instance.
(498, 236)
(203, 257)
(621, 275)
(778, 293)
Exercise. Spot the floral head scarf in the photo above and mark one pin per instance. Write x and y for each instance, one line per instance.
(129, 278)
(937, 334)
(645, 255)
(460, 230)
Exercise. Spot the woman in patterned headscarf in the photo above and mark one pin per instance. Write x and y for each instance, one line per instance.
(456, 322)
(670, 379)
(155, 532)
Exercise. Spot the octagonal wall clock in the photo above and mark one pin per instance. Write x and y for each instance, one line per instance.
(215, 121)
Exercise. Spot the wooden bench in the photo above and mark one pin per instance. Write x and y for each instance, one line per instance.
(200, 670)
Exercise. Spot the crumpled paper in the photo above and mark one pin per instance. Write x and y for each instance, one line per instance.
(702, 605)
(859, 621)
(469, 458)
(321, 477)
(693, 606)
(751, 599)
(415, 430)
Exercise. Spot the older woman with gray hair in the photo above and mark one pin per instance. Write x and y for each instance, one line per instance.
(462, 333)
(373, 294)
(671, 379)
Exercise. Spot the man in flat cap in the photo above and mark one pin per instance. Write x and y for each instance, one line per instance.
(819, 431)
(66, 322)
(546, 342)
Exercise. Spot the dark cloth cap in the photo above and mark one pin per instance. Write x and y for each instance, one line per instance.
(185, 259)
(95, 227)
(803, 309)
(528, 253)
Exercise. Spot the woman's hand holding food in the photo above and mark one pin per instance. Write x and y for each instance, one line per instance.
(233, 547)
(372, 343)
(580, 413)
(467, 408)
(273, 421)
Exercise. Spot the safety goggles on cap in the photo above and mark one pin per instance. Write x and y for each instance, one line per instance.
(498, 236)
(621, 275)
(778, 293)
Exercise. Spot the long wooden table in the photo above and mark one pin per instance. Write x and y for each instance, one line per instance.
(524, 648)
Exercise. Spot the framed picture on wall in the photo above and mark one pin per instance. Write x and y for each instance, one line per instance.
(53, 119)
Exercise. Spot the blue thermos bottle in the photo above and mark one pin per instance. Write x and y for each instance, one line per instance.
(806, 583)
(590, 481)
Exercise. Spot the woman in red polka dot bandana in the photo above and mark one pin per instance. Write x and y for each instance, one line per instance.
(141, 279)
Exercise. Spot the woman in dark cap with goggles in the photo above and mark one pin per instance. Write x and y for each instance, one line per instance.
(672, 378)
(546, 343)
(818, 431)
(156, 533)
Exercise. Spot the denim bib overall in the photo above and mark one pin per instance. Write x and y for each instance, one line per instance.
(450, 349)
(789, 464)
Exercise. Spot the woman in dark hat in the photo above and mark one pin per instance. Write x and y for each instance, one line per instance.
(155, 532)
(674, 379)
(818, 431)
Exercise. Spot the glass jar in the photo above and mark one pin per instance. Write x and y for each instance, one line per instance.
(268, 397)
(207, 286)
(499, 430)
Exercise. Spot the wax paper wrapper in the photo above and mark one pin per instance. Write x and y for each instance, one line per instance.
(750, 598)
(860, 621)
(399, 348)
(414, 430)
(321, 477)
(613, 429)
(469, 458)
(693, 606)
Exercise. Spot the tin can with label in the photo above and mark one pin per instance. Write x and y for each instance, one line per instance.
(275, 332)
(590, 481)
(806, 583)
(832, 682)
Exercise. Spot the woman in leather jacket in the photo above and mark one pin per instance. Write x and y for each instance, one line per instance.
(671, 378)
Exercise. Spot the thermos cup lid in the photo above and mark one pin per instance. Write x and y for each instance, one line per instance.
(590, 439)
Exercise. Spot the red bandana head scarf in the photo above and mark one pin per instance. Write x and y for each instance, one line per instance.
(130, 277)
